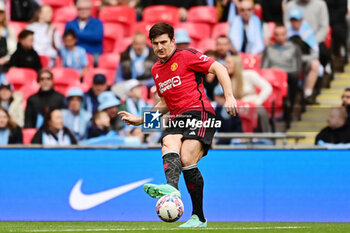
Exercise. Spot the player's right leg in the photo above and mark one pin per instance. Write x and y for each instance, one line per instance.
(172, 167)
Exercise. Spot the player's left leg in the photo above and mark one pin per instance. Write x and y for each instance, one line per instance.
(191, 152)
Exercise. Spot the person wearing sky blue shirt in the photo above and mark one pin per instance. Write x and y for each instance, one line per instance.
(89, 30)
(73, 56)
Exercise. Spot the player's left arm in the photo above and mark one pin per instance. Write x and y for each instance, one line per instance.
(224, 79)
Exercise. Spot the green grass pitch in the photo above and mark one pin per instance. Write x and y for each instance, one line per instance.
(160, 227)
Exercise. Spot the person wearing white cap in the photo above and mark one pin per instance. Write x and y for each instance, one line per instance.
(8, 39)
(134, 102)
(75, 117)
(182, 40)
(109, 103)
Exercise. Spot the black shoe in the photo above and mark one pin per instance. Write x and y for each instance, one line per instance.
(310, 100)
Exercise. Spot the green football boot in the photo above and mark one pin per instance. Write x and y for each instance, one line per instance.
(194, 222)
(158, 191)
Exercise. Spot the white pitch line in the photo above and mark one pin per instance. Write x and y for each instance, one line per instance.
(160, 229)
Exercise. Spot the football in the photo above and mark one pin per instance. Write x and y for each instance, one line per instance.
(169, 208)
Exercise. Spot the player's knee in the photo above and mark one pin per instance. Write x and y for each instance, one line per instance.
(187, 160)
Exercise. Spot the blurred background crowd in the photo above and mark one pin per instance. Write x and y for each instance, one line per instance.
(67, 67)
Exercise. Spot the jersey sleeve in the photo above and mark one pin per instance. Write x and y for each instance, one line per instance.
(197, 61)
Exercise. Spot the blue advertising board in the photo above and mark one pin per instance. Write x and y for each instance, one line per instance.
(240, 185)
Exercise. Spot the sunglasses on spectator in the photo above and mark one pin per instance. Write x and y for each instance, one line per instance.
(45, 78)
(246, 9)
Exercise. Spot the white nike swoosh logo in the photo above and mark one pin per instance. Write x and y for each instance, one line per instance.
(81, 201)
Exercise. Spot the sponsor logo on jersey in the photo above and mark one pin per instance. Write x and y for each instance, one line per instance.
(168, 84)
(174, 66)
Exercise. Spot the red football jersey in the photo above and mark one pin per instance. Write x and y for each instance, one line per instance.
(180, 81)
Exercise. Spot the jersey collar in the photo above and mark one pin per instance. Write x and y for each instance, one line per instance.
(175, 50)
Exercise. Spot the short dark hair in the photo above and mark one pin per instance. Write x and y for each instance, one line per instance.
(347, 89)
(42, 71)
(159, 29)
(25, 33)
(69, 32)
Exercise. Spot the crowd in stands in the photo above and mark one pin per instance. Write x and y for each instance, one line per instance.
(93, 58)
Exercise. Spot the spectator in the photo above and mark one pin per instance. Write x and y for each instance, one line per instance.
(109, 103)
(346, 101)
(299, 31)
(223, 49)
(337, 131)
(53, 132)
(8, 39)
(10, 132)
(227, 9)
(12, 102)
(272, 10)
(73, 56)
(23, 10)
(75, 118)
(246, 30)
(338, 10)
(244, 83)
(46, 98)
(100, 125)
(182, 39)
(88, 29)
(25, 56)
(316, 15)
(134, 102)
(286, 56)
(137, 61)
(99, 85)
(47, 40)
(228, 124)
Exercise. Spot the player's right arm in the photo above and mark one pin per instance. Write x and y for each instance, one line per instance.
(130, 119)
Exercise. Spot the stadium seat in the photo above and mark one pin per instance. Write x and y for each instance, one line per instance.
(17, 26)
(143, 27)
(21, 76)
(65, 14)
(88, 77)
(206, 44)
(28, 135)
(112, 33)
(55, 3)
(60, 27)
(120, 14)
(271, 26)
(45, 61)
(64, 78)
(220, 29)
(328, 40)
(202, 14)
(196, 31)
(122, 45)
(109, 61)
(161, 13)
(250, 62)
(27, 90)
(249, 116)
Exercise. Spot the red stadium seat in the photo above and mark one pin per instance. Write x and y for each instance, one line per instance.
(206, 44)
(122, 45)
(45, 61)
(249, 116)
(250, 62)
(90, 59)
(196, 31)
(143, 27)
(28, 135)
(328, 40)
(202, 14)
(60, 27)
(17, 26)
(220, 29)
(55, 3)
(64, 78)
(271, 26)
(28, 90)
(109, 61)
(161, 13)
(279, 82)
(88, 77)
(120, 14)
(112, 33)
(21, 76)
(65, 14)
